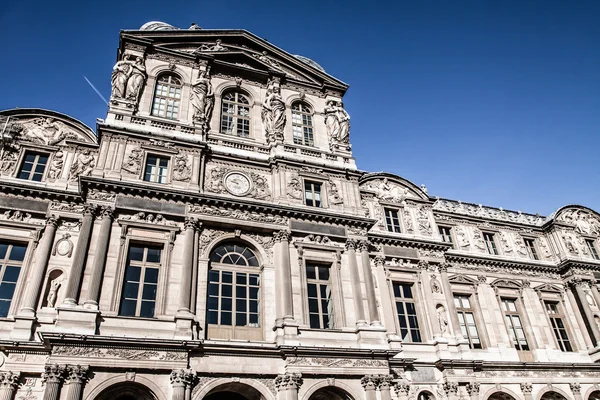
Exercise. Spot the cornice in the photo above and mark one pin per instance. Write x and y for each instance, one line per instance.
(50, 339)
(382, 238)
(569, 264)
(480, 259)
(477, 365)
(38, 192)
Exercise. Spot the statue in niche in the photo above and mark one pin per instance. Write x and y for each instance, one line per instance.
(203, 100)
(56, 165)
(181, 169)
(570, 244)
(53, 292)
(273, 113)
(442, 318)
(337, 122)
(83, 165)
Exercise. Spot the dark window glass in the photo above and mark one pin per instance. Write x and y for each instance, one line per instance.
(490, 244)
(235, 114)
(530, 246)
(33, 167)
(407, 312)
(302, 124)
(392, 221)
(312, 194)
(445, 234)
(558, 327)
(592, 248)
(466, 319)
(320, 302)
(138, 297)
(11, 261)
(514, 325)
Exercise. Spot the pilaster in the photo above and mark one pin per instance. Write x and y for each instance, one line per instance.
(287, 386)
(181, 380)
(369, 384)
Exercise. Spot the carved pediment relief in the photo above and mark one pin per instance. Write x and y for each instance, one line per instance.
(392, 189)
(463, 280)
(584, 221)
(44, 127)
(548, 287)
(505, 283)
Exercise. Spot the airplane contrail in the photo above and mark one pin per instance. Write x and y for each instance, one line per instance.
(95, 90)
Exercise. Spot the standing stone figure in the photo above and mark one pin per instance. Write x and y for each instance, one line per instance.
(53, 292)
(337, 122)
(83, 165)
(137, 76)
(273, 113)
(127, 80)
(203, 100)
(119, 77)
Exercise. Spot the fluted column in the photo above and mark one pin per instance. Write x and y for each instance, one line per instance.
(369, 284)
(180, 380)
(527, 388)
(355, 276)
(587, 312)
(369, 384)
(576, 389)
(443, 268)
(531, 337)
(52, 377)
(100, 257)
(384, 384)
(287, 386)
(187, 272)
(83, 242)
(473, 390)
(402, 390)
(9, 381)
(42, 255)
(77, 376)
(283, 276)
(577, 313)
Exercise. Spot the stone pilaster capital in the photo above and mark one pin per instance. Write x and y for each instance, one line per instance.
(385, 382)
(443, 267)
(526, 283)
(288, 382)
(379, 260)
(282, 236)
(450, 388)
(107, 212)
(402, 389)
(89, 210)
(424, 265)
(351, 244)
(9, 379)
(190, 223)
(53, 373)
(364, 245)
(482, 278)
(182, 377)
(472, 388)
(369, 382)
(77, 374)
(575, 387)
(526, 387)
(52, 221)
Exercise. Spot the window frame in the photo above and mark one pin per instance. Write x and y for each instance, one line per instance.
(158, 156)
(322, 195)
(22, 161)
(517, 313)
(531, 248)
(303, 125)
(331, 316)
(421, 328)
(490, 244)
(391, 228)
(474, 310)
(167, 97)
(560, 315)
(23, 271)
(591, 246)
(449, 234)
(236, 116)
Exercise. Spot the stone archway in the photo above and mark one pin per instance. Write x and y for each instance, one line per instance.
(595, 395)
(552, 395)
(500, 396)
(126, 391)
(330, 393)
(234, 391)
(425, 395)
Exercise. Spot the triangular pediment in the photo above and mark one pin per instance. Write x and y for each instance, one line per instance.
(462, 279)
(547, 287)
(236, 48)
(505, 283)
(44, 127)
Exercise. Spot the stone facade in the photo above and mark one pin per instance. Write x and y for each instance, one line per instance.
(215, 239)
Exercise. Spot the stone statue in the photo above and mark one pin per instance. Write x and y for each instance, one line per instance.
(216, 47)
(295, 189)
(119, 77)
(137, 77)
(134, 161)
(127, 80)
(181, 169)
(337, 122)
(53, 292)
(83, 165)
(56, 165)
(203, 100)
(442, 318)
(273, 113)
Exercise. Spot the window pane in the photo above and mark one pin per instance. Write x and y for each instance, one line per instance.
(130, 290)
(133, 273)
(153, 255)
(147, 309)
(151, 275)
(17, 253)
(149, 292)
(7, 290)
(136, 253)
(128, 307)
(11, 274)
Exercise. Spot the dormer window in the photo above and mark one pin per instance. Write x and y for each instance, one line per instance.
(167, 96)
(235, 114)
(302, 125)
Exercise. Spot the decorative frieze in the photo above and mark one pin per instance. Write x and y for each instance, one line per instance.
(472, 210)
(119, 353)
(336, 362)
(239, 215)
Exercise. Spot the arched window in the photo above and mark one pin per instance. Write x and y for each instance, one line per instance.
(233, 299)
(302, 125)
(235, 114)
(167, 96)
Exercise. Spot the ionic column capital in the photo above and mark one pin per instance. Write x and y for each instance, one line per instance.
(288, 382)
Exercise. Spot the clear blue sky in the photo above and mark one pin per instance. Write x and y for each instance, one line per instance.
(492, 102)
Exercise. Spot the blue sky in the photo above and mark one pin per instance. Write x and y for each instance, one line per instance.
(491, 102)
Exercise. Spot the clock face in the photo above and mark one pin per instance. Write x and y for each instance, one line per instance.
(237, 183)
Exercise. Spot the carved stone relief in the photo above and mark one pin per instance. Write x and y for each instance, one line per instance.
(520, 245)
(294, 189)
(157, 219)
(63, 246)
(56, 165)
(584, 222)
(273, 113)
(181, 169)
(119, 353)
(83, 165)
(9, 159)
(16, 215)
(44, 130)
(478, 240)
(408, 222)
(258, 189)
(334, 194)
(505, 242)
(239, 214)
(387, 191)
(570, 244)
(133, 163)
(127, 80)
(423, 221)
(500, 214)
(462, 238)
(337, 122)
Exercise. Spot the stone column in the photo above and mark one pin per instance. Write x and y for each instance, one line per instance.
(36, 278)
(402, 390)
(595, 293)
(356, 291)
(83, 242)
(425, 285)
(52, 377)
(443, 268)
(9, 381)
(187, 272)
(77, 376)
(531, 337)
(473, 390)
(369, 284)
(287, 386)
(451, 389)
(576, 389)
(180, 380)
(283, 276)
(577, 313)
(587, 312)
(369, 384)
(100, 257)
(384, 384)
(526, 388)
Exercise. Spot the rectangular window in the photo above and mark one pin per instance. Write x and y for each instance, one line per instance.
(391, 220)
(312, 194)
(33, 167)
(138, 298)
(513, 324)
(233, 298)
(445, 234)
(320, 302)
(11, 260)
(592, 248)
(156, 169)
(407, 312)
(490, 244)
(466, 318)
(530, 246)
(558, 327)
